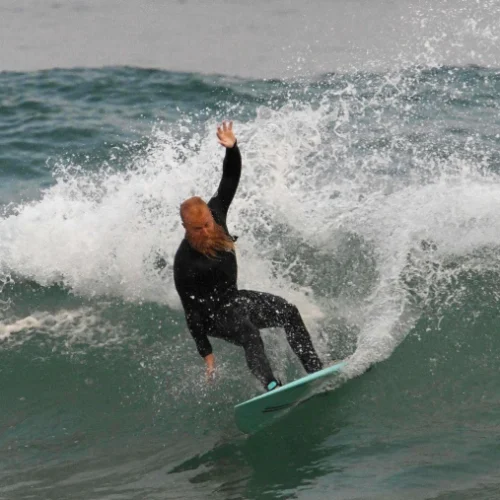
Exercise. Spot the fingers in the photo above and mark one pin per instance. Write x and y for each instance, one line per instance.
(210, 376)
(225, 127)
(225, 133)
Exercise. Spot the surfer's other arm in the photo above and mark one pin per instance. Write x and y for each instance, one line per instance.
(195, 326)
(202, 343)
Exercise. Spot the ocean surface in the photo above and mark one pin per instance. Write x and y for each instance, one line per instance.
(370, 198)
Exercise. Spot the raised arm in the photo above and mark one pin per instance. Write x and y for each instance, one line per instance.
(231, 168)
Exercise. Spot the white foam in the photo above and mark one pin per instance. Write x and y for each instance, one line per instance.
(74, 325)
(304, 194)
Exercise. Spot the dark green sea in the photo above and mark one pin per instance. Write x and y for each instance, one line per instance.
(369, 198)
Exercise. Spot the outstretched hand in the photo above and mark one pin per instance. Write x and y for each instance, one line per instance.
(226, 135)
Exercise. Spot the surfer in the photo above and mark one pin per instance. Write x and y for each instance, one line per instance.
(205, 274)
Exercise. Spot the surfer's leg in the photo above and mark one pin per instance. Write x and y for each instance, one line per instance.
(234, 326)
(268, 311)
(300, 341)
(255, 354)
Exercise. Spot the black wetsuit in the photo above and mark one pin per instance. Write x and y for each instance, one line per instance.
(215, 307)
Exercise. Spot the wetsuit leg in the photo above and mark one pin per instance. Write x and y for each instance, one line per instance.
(269, 311)
(255, 354)
(233, 325)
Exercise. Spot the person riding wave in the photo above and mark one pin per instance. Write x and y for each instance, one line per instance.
(205, 275)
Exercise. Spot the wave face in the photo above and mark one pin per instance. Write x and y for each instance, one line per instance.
(369, 199)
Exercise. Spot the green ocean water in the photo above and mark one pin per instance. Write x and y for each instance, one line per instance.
(371, 200)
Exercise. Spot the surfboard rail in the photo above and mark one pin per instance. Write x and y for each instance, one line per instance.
(261, 410)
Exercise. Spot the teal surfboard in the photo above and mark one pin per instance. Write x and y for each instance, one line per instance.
(265, 408)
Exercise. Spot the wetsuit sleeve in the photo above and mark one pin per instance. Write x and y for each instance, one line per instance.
(231, 172)
(200, 337)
